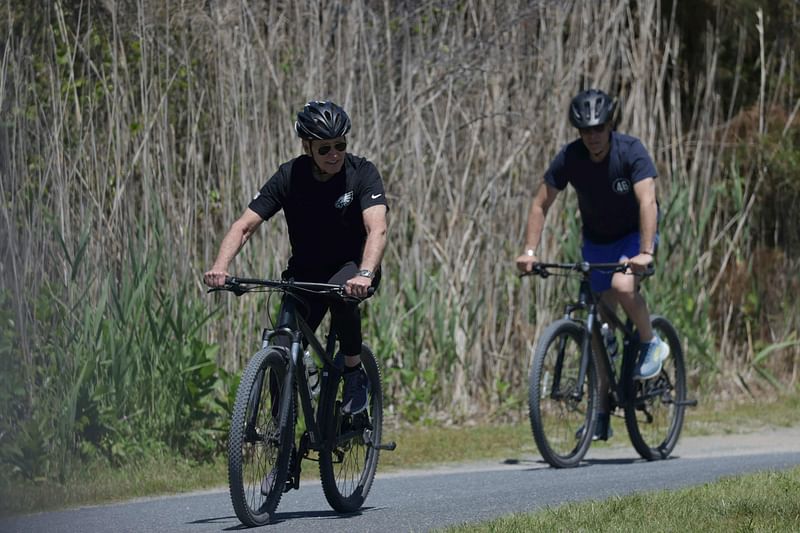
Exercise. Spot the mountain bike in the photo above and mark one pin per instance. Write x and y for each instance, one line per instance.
(570, 362)
(264, 453)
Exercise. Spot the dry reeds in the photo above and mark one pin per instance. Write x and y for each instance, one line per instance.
(119, 115)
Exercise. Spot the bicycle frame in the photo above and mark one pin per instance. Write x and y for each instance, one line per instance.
(297, 332)
(296, 368)
(590, 302)
(264, 454)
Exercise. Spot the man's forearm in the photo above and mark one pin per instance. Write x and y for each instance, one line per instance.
(373, 249)
(231, 244)
(648, 216)
(535, 225)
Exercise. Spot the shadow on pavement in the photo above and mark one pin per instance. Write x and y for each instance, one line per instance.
(277, 518)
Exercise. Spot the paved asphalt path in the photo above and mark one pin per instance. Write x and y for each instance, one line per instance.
(422, 500)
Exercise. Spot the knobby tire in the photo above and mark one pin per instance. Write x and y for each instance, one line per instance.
(348, 467)
(556, 416)
(654, 409)
(255, 452)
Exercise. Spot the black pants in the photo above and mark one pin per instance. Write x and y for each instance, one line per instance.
(345, 316)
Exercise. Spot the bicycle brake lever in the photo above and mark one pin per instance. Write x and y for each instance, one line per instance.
(235, 289)
(649, 271)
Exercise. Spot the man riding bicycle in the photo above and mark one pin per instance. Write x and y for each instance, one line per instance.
(335, 208)
(614, 177)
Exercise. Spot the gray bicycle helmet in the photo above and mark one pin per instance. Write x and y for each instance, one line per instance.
(591, 108)
(321, 120)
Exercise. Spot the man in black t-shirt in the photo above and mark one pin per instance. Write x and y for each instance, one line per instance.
(614, 177)
(335, 209)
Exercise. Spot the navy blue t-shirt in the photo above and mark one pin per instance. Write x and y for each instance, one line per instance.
(326, 227)
(608, 206)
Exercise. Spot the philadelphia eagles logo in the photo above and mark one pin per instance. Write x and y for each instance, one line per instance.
(344, 200)
(621, 186)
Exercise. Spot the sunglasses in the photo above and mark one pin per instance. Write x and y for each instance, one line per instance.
(340, 147)
(594, 129)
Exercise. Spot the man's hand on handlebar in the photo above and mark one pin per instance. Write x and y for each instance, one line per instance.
(641, 264)
(358, 286)
(215, 278)
(526, 261)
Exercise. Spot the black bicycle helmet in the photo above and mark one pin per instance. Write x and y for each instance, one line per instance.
(591, 108)
(321, 120)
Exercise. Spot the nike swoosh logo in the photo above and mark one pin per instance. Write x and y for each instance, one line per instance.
(377, 195)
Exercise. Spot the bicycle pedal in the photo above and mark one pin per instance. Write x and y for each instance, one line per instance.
(686, 403)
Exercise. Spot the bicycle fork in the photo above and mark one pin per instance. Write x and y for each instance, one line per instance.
(586, 351)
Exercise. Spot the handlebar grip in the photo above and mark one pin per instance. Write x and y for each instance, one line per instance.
(536, 270)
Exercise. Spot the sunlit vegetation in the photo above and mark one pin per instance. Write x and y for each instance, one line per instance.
(134, 133)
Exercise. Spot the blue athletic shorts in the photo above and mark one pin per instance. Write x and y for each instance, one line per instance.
(625, 248)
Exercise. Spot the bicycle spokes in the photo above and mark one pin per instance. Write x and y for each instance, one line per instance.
(655, 415)
(258, 456)
(561, 402)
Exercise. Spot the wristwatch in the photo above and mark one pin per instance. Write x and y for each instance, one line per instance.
(366, 273)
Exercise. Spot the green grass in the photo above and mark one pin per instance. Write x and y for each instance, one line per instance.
(99, 483)
(764, 501)
(417, 447)
(426, 446)
(714, 418)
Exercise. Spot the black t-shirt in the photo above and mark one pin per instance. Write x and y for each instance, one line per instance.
(326, 227)
(608, 205)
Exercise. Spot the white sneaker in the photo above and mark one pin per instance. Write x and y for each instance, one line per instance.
(656, 352)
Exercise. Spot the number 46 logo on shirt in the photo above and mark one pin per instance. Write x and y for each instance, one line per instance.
(621, 186)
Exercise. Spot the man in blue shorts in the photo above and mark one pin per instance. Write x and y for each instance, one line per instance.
(614, 177)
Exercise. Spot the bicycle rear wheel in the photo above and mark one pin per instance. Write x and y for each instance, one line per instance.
(348, 462)
(562, 409)
(654, 408)
(261, 437)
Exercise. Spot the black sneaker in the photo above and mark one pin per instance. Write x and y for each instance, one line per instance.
(355, 391)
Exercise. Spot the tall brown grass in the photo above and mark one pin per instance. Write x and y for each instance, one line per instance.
(119, 114)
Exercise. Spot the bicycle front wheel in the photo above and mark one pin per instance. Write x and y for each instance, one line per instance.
(349, 460)
(562, 407)
(654, 408)
(261, 437)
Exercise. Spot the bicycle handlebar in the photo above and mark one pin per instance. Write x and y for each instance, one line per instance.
(543, 269)
(239, 286)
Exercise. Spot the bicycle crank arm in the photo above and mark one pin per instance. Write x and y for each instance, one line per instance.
(389, 446)
(687, 403)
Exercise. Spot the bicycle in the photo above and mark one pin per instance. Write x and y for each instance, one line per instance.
(565, 382)
(264, 456)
